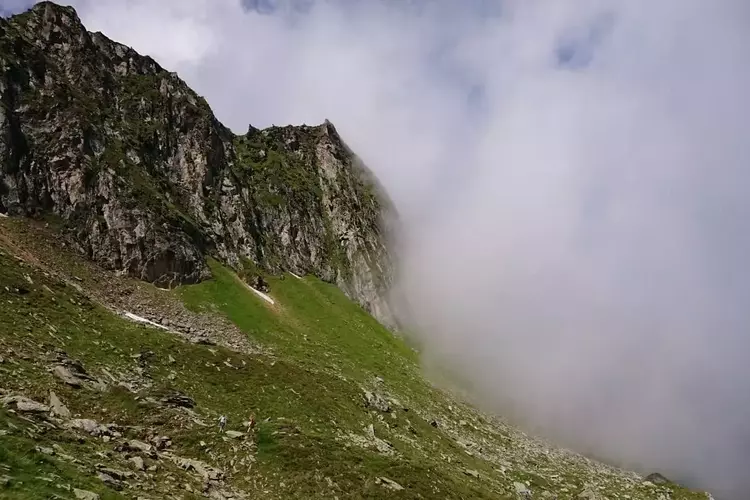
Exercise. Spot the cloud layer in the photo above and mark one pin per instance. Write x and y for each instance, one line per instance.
(573, 178)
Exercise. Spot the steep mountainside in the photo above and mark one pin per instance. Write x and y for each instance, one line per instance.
(148, 182)
(119, 353)
(93, 401)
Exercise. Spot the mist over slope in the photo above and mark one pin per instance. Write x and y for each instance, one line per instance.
(572, 180)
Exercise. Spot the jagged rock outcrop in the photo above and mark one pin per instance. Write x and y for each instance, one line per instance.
(144, 178)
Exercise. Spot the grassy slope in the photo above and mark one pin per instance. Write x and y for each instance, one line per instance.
(320, 350)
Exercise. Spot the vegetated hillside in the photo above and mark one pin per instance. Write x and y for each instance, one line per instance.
(148, 182)
(96, 402)
(111, 387)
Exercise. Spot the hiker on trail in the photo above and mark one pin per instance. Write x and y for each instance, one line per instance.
(251, 423)
(222, 423)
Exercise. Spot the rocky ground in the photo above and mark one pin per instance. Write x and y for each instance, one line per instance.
(97, 406)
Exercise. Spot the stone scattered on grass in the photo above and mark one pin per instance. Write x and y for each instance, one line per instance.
(24, 404)
(85, 495)
(657, 478)
(86, 425)
(589, 494)
(161, 442)
(179, 400)
(91, 427)
(201, 468)
(108, 480)
(377, 402)
(57, 406)
(64, 374)
(388, 483)
(116, 473)
(137, 463)
(135, 445)
(522, 490)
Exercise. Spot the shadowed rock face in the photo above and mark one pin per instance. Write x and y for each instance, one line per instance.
(145, 180)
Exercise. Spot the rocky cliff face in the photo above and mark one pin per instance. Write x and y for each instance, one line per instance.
(147, 181)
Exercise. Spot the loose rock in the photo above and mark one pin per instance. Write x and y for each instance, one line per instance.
(64, 374)
(109, 480)
(138, 463)
(177, 399)
(135, 445)
(377, 402)
(388, 483)
(24, 404)
(31, 407)
(58, 408)
(201, 468)
(85, 495)
(657, 478)
(522, 490)
(161, 442)
(589, 494)
(116, 474)
(89, 426)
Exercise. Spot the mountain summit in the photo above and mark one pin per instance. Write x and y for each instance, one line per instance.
(147, 181)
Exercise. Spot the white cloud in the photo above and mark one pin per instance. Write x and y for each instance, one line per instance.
(175, 33)
(575, 243)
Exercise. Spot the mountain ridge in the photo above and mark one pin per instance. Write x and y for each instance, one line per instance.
(150, 182)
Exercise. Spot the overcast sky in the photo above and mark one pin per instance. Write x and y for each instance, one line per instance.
(573, 178)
